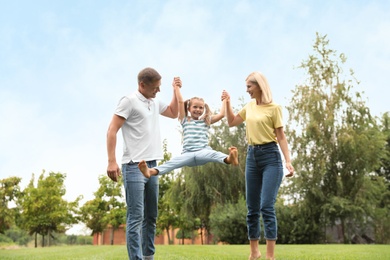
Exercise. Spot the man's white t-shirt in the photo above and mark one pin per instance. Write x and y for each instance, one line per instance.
(141, 130)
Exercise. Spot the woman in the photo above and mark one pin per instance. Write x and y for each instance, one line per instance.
(264, 168)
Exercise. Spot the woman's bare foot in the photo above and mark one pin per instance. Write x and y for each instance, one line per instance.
(255, 257)
(233, 156)
(144, 169)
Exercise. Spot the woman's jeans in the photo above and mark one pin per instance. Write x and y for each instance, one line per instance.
(263, 176)
(142, 202)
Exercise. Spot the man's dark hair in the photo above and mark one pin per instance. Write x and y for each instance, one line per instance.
(148, 76)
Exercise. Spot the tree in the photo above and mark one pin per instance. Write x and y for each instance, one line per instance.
(112, 192)
(9, 192)
(384, 169)
(92, 214)
(107, 208)
(43, 209)
(382, 219)
(336, 145)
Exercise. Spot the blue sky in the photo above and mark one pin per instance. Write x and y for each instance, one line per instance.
(65, 64)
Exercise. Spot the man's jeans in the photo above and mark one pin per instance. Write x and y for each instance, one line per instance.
(141, 200)
(263, 176)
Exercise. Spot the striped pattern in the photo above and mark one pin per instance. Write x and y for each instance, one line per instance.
(195, 135)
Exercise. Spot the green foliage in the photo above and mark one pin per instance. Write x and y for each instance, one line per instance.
(228, 222)
(380, 219)
(18, 236)
(63, 239)
(107, 208)
(92, 214)
(5, 239)
(185, 234)
(336, 144)
(384, 169)
(9, 192)
(111, 192)
(43, 209)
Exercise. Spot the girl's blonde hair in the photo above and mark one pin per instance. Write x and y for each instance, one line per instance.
(261, 81)
(206, 113)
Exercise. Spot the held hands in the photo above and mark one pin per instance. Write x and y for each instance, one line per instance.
(225, 96)
(176, 82)
(113, 171)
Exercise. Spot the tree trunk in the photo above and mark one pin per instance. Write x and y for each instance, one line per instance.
(36, 240)
(112, 236)
(169, 237)
(343, 231)
(201, 236)
(173, 235)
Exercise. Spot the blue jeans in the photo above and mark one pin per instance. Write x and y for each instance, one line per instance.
(263, 176)
(191, 159)
(141, 217)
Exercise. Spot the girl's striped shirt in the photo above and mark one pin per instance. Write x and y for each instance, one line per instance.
(195, 135)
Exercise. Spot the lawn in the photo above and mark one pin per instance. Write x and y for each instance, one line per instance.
(302, 252)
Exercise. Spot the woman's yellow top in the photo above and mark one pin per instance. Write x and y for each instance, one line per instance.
(261, 122)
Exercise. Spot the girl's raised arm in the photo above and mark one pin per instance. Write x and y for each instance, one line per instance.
(217, 117)
(180, 103)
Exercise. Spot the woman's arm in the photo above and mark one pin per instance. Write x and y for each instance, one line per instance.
(281, 137)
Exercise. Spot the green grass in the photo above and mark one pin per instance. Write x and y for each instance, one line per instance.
(302, 252)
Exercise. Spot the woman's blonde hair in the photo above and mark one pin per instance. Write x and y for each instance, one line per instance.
(206, 113)
(261, 81)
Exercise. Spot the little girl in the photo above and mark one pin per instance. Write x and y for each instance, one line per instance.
(196, 150)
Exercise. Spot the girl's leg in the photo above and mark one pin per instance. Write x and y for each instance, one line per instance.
(209, 155)
(185, 159)
(146, 171)
(232, 157)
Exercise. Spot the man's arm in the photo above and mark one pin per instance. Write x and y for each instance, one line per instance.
(113, 170)
(173, 108)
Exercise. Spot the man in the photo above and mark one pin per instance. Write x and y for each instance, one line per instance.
(138, 117)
